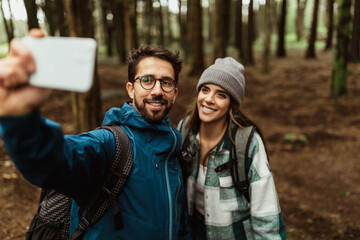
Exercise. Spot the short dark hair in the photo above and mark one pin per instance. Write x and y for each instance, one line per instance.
(152, 50)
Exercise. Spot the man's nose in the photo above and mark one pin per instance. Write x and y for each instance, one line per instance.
(157, 90)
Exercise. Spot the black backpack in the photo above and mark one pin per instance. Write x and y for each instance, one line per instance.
(52, 219)
(238, 163)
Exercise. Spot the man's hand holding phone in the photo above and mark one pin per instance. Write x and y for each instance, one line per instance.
(36, 64)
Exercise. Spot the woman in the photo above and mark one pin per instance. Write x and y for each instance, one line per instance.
(218, 209)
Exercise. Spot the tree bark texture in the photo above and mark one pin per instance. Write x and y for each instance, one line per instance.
(250, 35)
(301, 4)
(238, 29)
(267, 21)
(281, 31)
(117, 8)
(148, 16)
(49, 9)
(86, 106)
(220, 28)
(108, 24)
(355, 39)
(339, 70)
(330, 24)
(161, 25)
(8, 24)
(310, 52)
(131, 23)
(197, 53)
(31, 10)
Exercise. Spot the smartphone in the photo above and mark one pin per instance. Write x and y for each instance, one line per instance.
(64, 63)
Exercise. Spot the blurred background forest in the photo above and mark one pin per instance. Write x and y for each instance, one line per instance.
(303, 86)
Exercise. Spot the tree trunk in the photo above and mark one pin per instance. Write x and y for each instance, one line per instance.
(238, 30)
(339, 70)
(181, 27)
(9, 28)
(31, 10)
(169, 35)
(49, 9)
(310, 52)
(250, 35)
(148, 14)
(197, 54)
(86, 106)
(355, 39)
(61, 18)
(330, 24)
(117, 8)
(301, 4)
(281, 31)
(267, 21)
(130, 23)
(105, 6)
(221, 28)
(161, 24)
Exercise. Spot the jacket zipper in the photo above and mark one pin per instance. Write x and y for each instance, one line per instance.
(176, 196)
(168, 185)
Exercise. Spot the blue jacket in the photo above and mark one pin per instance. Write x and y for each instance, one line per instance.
(153, 199)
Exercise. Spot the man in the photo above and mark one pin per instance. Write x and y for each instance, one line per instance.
(153, 199)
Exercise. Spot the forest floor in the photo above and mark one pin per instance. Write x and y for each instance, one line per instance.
(317, 179)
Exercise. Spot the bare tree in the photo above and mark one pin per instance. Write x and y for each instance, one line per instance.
(281, 31)
(249, 60)
(300, 12)
(130, 8)
(310, 52)
(49, 9)
(8, 24)
(339, 70)
(330, 24)
(220, 28)
(355, 38)
(118, 8)
(107, 21)
(197, 54)
(86, 106)
(149, 15)
(31, 10)
(161, 24)
(267, 21)
(238, 29)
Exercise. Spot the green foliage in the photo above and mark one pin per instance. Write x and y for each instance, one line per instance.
(3, 49)
(295, 140)
(291, 43)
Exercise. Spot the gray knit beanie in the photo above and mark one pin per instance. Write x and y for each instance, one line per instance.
(228, 74)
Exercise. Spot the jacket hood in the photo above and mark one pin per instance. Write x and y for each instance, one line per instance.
(129, 116)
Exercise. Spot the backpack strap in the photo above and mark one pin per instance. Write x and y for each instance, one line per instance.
(181, 128)
(113, 184)
(240, 168)
(238, 163)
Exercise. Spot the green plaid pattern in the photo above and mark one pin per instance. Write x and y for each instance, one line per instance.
(228, 215)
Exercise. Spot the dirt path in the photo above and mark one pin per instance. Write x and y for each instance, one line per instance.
(317, 180)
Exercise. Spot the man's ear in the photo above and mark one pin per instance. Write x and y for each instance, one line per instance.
(175, 94)
(130, 89)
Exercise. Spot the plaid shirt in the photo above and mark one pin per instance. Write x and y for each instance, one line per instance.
(228, 215)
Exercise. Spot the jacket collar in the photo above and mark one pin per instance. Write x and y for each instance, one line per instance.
(128, 115)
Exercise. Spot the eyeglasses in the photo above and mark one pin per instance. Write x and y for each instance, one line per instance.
(148, 82)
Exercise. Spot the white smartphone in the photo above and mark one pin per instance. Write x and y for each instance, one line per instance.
(64, 63)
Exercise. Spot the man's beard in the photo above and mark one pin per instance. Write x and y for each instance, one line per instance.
(153, 117)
